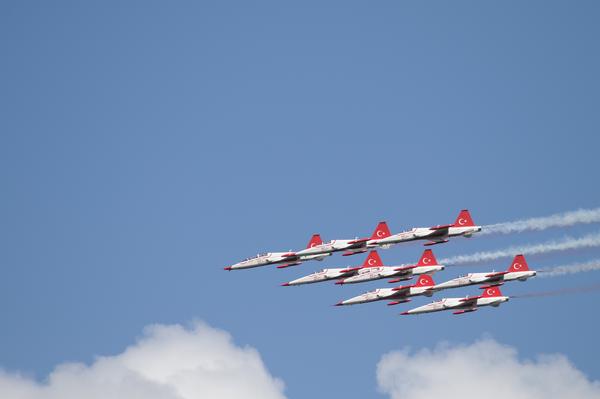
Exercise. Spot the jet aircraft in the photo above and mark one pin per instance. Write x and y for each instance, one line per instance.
(463, 226)
(426, 265)
(372, 260)
(395, 295)
(283, 259)
(491, 297)
(518, 270)
(352, 247)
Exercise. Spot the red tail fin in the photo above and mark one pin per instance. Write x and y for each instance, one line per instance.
(314, 241)
(464, 219)
(519, 264)
(425, 280)
(381, 231)
(427, 259)
(373, 260)
(491, 291)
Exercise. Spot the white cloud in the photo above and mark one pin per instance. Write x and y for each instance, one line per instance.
(168, 362)
(485, 369)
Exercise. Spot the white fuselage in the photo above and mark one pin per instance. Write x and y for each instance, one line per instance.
(323, 275)
(328, 247)
(381, 272)
(274, 258)
(480, 278)
(422, 233)
(458, 304)
(381, 294)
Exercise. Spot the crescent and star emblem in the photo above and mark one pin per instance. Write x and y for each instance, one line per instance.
(371, 262)
(517, 266)
(426, 260)
(490, 291)
(380, 233)
(462, 221)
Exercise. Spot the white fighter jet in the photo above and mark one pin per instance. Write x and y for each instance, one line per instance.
(463, 226)
(283, 259)
(518, 270)
(491, 297)
(376, 270)
(371, 261)
(395, 295)
(352, 247)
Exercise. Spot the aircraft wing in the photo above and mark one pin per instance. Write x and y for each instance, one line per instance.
(401, 290)
(403, 271)
(441, 228)
(359, 242)
(349, 270)
(496, 274)
(470, 300)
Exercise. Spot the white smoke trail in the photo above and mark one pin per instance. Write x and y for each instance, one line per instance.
(567, 243)
(580, 216)
(571, 269)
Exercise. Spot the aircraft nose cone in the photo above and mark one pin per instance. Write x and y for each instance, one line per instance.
(340, 303)
(404, 313)
(228, 268)
(285, 284)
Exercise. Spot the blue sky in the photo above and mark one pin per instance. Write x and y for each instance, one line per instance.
(146, 145)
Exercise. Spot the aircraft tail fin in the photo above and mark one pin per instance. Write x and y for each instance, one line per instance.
(491, 292)
(373, 260)
(314, 241)
(381, 231)
(464, 219)
(519, 264)
(427, 259)
(425, 280)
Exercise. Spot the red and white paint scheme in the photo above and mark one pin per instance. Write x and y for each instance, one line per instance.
(377, 271)
(372, 260)
(396, 295)
(283, 259)
(352, 247)
(463, 226)
(491, 297)
(518, 270)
